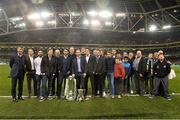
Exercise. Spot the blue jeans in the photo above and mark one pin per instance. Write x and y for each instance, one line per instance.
(42, 78)
(132, 84)
(110, 77)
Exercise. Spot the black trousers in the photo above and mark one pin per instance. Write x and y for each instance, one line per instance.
(31, 77)
(17, 80)
(98, 81)
(55, 78)
(91, 76)
(149, 82)
(118, 86)
(79, 81)
(146, 80)
(62, 78)
(104, 81)
(126, 85)
(139, 83)
(50, 83)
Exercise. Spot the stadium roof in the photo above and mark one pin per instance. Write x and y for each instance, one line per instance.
(136, 15)
(19, 7)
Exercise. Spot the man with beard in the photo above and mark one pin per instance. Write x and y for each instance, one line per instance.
(17, 65)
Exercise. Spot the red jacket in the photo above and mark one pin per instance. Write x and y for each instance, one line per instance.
(119, 70)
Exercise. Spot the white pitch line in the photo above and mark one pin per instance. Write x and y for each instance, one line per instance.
(135, 95)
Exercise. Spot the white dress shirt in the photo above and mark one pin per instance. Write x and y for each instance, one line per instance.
(37, 63)
(32, 62)
(87, 58)
(79, 63)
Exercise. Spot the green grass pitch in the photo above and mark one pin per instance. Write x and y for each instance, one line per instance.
(127, 107)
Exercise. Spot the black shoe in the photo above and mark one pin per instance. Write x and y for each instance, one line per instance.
(59, 97)
(20, 98)
(14, 100)
(29, 96)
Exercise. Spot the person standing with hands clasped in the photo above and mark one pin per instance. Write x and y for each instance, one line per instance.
(119, 73)
(161, 70)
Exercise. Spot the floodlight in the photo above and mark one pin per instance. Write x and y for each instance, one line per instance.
(34, 16)
(95, 23)
(152, 28)
(45, 14)
(166, 26)
(108, 23)
(52, 22)
(105, 14)
(92, 13)
(39, 23)
(120, 14)
(86, 22)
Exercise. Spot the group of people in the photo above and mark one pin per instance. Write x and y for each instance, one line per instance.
(126, 73)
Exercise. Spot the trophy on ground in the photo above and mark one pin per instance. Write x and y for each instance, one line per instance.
(70, 89)
(80, 95)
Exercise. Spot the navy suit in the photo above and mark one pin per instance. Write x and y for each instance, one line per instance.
(79, 74)
(64, 69)
(17, 65)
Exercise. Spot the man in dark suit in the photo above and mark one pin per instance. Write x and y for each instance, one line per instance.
(131, 76)
(149, 73)
(30, 69)
(100, 69)
(139, 66)
(71, 56)
(17, 65)
(79, 69)
(56, 77)
(64, 70)
(48, 68)
(90, 68)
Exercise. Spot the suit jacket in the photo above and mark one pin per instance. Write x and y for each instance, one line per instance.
(75, 65)
(14, 65)
(71, 57)
(142, 66)
(90, 65)
(100, 66)
(28, 63)
(57, 64)
(67, 65)
(131, 63)
(48, 67)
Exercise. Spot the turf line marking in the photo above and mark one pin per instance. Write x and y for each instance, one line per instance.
(135, 95)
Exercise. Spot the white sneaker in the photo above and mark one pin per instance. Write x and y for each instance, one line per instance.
(50, 98)
(42, 99)
(132, 92)
(104, 94)
(119, 96)
(87, 98)
(112, 97)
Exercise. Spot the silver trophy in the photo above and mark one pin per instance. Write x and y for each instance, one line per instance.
(70, 89)
(80, 96)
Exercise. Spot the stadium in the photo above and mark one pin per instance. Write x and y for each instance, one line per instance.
(123, 25)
